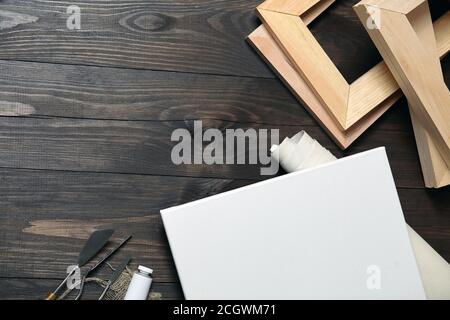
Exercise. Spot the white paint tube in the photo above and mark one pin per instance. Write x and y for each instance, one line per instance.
(302, 152)
(140, 284)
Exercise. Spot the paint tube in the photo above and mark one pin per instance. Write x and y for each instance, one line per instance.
(140, 284)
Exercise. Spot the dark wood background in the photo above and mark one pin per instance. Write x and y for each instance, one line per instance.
(86, 118)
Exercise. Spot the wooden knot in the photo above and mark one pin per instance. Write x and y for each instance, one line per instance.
(145, 21)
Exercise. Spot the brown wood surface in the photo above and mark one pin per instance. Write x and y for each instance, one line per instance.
(86, 118)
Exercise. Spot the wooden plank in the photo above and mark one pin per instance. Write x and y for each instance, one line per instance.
(442, 27)
(37, 89)
(316, 10)
(166, 35)
(424, 85)
(35, 289)
(435, 171)
(404, 6)
(140, 147)
(147, 34)
(292, 7)
(375, 85)
(378, 83)
(47, 215)
(43, 227)
(416, 73)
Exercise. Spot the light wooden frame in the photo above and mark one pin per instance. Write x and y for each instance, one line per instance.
(406, 40)
(346, 103)
(267, 47)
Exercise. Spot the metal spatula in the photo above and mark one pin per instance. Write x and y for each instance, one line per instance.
(99, 263)
(115, 276)
(93, 245)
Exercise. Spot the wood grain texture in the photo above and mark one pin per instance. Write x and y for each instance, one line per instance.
(349, 46)
(435, 171)
(271, 52)
(440, 36)
(291, 7)
(168, 35)
(147, 34)
(145, 147)
(61, 209)
(48, 90)
(413, 59)
(34, 289)
(346, 103)
(404, 6)
(314, 12)
(310, 61)
(59, 118)
(418, 75)
(50, 221)
(379, 77)
(57, 94)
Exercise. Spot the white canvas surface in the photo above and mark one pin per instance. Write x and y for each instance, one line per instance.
(322, 233)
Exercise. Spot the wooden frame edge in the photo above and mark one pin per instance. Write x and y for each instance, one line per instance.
(433, 149)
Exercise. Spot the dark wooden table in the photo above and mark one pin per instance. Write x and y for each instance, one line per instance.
(86, 118)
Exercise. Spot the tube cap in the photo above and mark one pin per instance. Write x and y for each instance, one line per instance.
(145, 270)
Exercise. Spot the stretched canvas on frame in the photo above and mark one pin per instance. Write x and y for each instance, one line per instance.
(332, 232)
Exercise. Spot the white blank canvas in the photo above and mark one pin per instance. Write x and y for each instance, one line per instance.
(308, 235)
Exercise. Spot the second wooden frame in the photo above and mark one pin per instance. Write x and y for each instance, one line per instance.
(406, 40)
